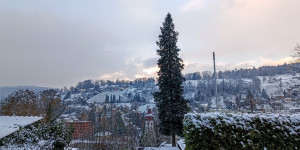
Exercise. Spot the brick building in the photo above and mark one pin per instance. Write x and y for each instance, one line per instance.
(83, 129)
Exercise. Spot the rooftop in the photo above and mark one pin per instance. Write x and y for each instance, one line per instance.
(11, 124)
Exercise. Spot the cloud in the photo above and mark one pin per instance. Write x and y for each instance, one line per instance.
(57, 43)
(41, 49)
(194, 4)
(271, 62)
(148, 63)
(113, 76)
(198, 67)
(238, 30)
(135, 67)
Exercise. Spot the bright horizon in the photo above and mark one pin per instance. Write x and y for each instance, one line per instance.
(59, 43)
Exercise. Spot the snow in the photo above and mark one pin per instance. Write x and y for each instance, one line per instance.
(11, 124)
(123, 104)
(101, 96)
(73, 97)
(271, 83)
(103, 133)
(220, 102)
(163, 147)
(143, 108)
(181, 143)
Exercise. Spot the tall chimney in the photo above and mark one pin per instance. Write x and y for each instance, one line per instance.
(216, 88)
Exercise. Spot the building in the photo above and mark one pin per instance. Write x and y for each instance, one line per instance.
(295, 109)
(83, 129)
(149, 123)
(149, 137)
(288, 100)
(11, 124)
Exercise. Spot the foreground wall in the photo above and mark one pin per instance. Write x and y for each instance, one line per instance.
(241, 131)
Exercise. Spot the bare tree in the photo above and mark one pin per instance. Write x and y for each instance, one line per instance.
(296, 54)
(21, 103)
(50, 104)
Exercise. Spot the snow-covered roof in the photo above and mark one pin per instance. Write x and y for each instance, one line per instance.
(144, 108)
(11, 124)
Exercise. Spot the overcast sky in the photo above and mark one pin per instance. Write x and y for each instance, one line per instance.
(57, 43)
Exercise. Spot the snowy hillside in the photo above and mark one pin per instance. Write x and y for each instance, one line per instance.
(276, 85)
(101, 96)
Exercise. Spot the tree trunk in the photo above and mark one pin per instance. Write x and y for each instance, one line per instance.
(173, 140)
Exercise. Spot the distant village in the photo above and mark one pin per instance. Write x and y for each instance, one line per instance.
(122, 114)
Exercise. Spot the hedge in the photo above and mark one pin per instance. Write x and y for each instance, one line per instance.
(241, 131)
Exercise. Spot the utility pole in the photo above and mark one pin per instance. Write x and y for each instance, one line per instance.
(216, 88)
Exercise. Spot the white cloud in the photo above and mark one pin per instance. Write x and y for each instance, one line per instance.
(271, 62)
(113, 76)
(193, 4)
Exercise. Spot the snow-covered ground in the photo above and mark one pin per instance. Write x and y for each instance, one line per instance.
(271, 84)
(101, 96)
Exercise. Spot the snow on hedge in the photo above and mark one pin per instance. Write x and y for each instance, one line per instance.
(232, 131)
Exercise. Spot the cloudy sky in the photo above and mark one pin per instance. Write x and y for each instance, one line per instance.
(55, 43)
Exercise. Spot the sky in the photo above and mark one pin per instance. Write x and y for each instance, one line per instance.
(56, 43)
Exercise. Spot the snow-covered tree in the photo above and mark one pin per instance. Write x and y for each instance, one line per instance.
(169, 100)
(52, 135)
(46, 134)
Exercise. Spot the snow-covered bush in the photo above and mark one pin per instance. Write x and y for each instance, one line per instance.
(241, 131)
(39, 136)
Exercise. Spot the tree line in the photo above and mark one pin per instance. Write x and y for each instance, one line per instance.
(247, 73)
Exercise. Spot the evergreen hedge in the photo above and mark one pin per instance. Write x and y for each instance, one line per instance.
(241, 131)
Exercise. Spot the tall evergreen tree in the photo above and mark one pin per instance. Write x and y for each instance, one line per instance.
(169, 100)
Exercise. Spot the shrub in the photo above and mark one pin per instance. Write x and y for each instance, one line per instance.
(241, 131)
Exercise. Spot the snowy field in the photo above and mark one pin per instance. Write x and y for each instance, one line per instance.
(101, 96)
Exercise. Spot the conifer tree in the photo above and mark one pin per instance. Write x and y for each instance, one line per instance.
(169, 100)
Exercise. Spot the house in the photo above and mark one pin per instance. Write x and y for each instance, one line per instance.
(288, 100)
(260, 108)
(295, 109)
(11, 124)
(83, 129)
(279, 97)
